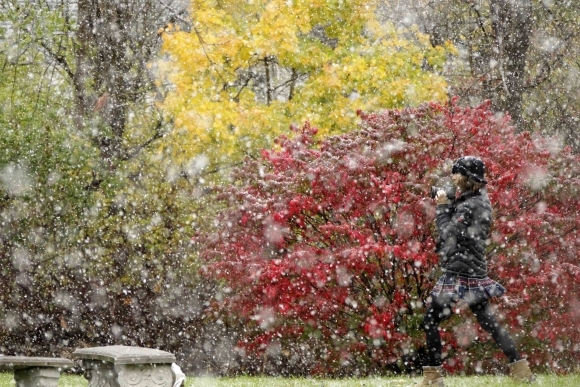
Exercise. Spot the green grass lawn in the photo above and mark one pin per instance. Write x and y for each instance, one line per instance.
(6, 380)
(472, 381)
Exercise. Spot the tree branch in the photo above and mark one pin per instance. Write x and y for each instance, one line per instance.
(157, 135)
(61, 60)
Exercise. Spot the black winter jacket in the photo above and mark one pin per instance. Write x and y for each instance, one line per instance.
(464, 227)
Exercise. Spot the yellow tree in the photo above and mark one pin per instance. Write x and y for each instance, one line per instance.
(247, 70)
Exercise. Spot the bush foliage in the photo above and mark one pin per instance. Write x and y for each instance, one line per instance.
(326, 248)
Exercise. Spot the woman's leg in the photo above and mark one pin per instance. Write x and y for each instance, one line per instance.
(438, 311)
(484, 314)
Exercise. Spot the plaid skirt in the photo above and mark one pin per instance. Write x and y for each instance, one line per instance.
(470, 290)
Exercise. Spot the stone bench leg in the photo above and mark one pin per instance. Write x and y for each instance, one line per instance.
(105, 374)
(99, 374)
(36, 377)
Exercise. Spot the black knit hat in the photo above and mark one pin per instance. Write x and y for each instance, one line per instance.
(470, 166)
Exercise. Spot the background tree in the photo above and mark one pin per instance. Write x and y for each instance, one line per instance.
(520, 54)
(245, 72)
(326, 247)
(96, 219)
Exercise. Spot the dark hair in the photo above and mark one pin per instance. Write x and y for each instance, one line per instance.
(470, 184)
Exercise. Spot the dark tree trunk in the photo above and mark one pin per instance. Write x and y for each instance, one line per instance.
(116, 39)
(512, 27)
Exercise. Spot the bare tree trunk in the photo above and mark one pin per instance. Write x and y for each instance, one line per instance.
(267, 61)
(116, 39)
(512, 27)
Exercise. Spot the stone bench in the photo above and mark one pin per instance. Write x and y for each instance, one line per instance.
(35, 371)
(123, 366)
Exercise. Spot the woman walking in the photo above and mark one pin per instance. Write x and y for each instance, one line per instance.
(464, 225)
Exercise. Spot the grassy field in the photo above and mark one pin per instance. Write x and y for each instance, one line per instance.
(6, 380)
(472, 381)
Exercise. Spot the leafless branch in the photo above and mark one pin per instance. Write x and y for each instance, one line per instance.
(58, 58)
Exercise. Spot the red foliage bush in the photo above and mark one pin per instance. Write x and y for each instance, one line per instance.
(326, 247)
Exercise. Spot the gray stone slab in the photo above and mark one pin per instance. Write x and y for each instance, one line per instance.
(16, 362)
(121, 354)
(123, 366)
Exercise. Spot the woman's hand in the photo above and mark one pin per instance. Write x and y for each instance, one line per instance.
(441, 197)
